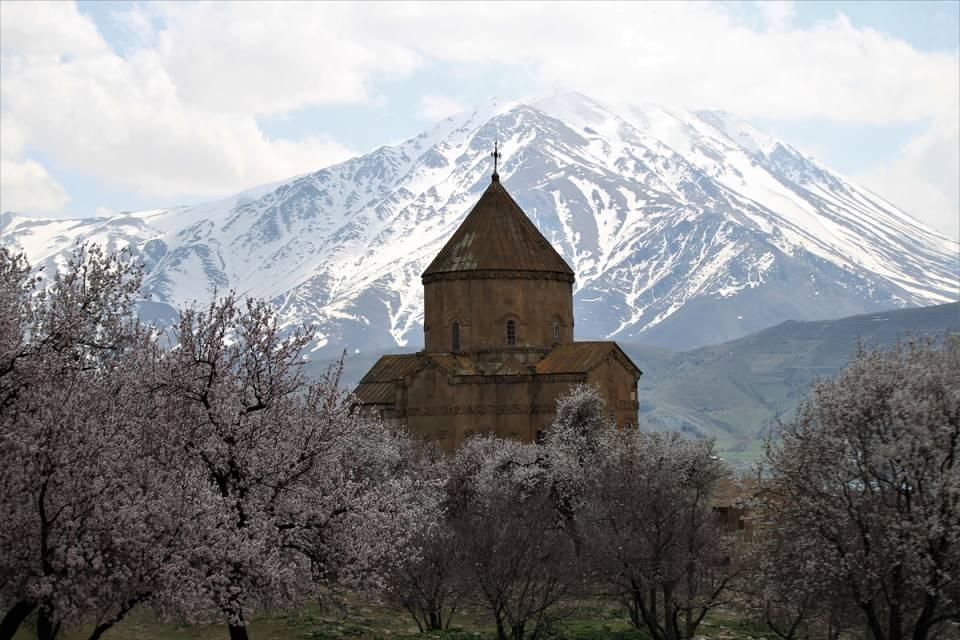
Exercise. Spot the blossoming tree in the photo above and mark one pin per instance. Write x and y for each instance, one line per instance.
(866, 483)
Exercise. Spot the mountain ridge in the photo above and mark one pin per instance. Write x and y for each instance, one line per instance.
(683, 228)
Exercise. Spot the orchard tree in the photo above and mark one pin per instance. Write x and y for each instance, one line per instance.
(866, 481)
(577, 437)
(514, 549)
(782, 593)
(93, 517)
(307, 492)
(637, 505)
(17, 286)
(209, 476)
(426, 582)
(653, 535)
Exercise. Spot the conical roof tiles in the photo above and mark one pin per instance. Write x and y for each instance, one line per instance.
(497, 236)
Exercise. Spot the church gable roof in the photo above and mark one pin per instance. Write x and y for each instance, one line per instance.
(390, 368)
(498, 236)
(511, 367)
(454, 364)
(581, 357)
(378, 386)
(375, 393)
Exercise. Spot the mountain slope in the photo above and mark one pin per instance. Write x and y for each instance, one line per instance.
(736, 391)
(683, 228)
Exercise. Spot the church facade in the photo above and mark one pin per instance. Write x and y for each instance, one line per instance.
(498, 338)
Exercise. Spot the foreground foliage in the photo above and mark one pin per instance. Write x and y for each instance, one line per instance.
(202, 478)
(93, 514)
(593, 509)
(861, 513)
(197, 475)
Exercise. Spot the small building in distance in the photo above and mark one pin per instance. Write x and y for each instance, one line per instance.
(498, 338)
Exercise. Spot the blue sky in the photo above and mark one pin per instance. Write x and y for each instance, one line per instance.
(111, 106)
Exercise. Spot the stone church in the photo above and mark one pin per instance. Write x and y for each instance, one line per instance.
(498, 335)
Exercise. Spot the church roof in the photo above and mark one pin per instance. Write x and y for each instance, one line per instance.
(377, 387)
(497, 236)
(391, 367)
(580, 357)
(376, 393)
(457, 365)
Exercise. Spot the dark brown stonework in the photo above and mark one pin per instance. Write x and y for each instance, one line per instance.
(498, 335)
(496, 275)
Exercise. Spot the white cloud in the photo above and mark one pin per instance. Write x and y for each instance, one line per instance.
(269, 57)
(25, 185)
(693, 55)
(38, 29)
(437, 107)
(776, 14)
(176, 112)
(134, 123)
(923, 180)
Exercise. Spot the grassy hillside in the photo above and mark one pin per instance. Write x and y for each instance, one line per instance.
(737, 390)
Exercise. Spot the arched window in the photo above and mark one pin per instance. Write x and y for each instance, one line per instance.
(511, 333)
(556, 333)
(455, 336)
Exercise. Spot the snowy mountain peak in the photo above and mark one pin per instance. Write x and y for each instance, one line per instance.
(741, 132)
(683, 228)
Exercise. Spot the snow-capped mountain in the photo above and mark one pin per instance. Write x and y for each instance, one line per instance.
(683, 229)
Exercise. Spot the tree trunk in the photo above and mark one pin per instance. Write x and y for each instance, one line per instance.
(238, 632)
(501, 632)
(648, 614)
(653, 605)
(895, 627)
(922, 629)
(876, 629)
(634, 610)
(109, 623)
(669, 614)
(46, 630)
(416, 613)
(14, 617)
(99, 630)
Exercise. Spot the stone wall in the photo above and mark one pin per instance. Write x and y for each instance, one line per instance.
(448, 409)
(482, 306)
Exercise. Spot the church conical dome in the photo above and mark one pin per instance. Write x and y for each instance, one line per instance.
(497, 236)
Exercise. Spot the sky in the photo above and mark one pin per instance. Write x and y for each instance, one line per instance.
(114, 106)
